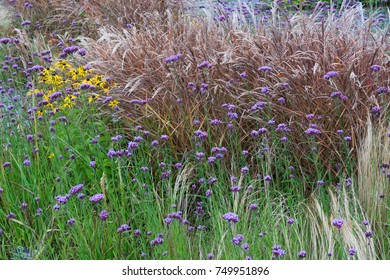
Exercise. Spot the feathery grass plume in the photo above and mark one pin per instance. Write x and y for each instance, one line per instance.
(299, 54)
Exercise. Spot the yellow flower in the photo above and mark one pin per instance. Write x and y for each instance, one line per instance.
(51, 156)
(113, 103)
(81, 72)
(62, 65)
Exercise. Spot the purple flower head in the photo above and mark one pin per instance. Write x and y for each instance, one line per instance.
(253, 206)
(368, 233)
(103, 215)
(6, 164)
(11, 216)
(76, 189)
(71, 221)
(61, 199)
(1, 232)
(209, 256)
(243, 75)
(245, 246)
(26, 22)
(320, 183)
(330, 75)
(278, 251)
(375, 67)
(265, 68)
(23, 206)
(201, 134)
(96, 198)
(302, 254)
(382, 89)
(244, 170)
(204, 64)
(178, 165)
(365, 222)
(173, 58)
(56, 207)
(338, 223)
(231, 217)
(290, 221)
(312, 131)
(258, 106)
(123, 228)
(81, 196)
(238, 239)
(351, 252)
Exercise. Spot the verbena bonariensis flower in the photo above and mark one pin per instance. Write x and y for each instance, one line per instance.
(245, 246)
(265, 68)
(253, 206)
(368, 233)
(231, 217)
(258, 106)
(312, 131)
(6, 164)
(158, 240)
(209, 255)
(103, 215)
(173, 58)
(201, 134)
(338, 223)
(320, 183)
(302, 254)
(23, 206)
(1, 232)
(123, 228)
(365, 222)
(204, 64)
(11, 216)
(71, 221)
(76, 189)
(238, 239)
(96, 198)
(375, 67)
(290, 221)
(352, 252)
(278, 251)
(61, 199)
(330, 74)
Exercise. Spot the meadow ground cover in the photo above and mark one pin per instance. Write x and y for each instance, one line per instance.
(155, 130)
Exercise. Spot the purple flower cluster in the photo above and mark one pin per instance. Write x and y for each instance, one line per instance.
(123, 228)
(173, 58)
(278, 251)
(238, 239)
(338, 223)
(231, 217)
(96, 198)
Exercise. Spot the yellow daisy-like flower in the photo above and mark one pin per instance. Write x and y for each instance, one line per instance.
(62, 65)
(113, 103)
